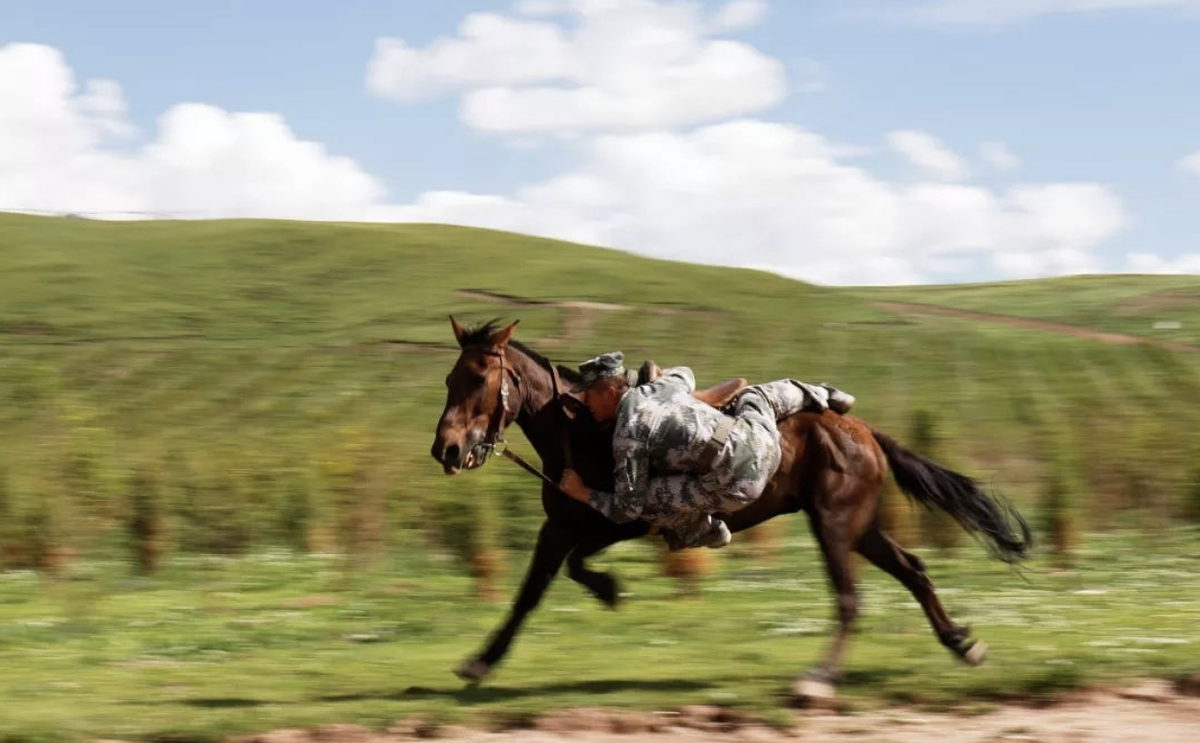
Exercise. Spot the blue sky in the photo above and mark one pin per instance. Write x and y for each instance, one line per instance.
(1102, 99)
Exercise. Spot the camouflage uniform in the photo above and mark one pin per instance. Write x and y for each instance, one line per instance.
(669, 469)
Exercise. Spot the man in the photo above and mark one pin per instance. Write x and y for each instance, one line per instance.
(679, 460)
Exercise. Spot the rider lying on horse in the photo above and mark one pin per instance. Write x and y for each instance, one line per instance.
(679, 460)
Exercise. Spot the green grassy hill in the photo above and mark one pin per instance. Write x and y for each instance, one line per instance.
(241, 359)
(192, 388)
(1158, 308)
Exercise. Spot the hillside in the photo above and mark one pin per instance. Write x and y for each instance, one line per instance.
(243, 355)
(1162, 309)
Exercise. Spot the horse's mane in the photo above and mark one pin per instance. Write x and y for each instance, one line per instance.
(478, 336)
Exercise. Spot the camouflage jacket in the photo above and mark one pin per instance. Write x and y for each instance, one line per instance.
(660, 429)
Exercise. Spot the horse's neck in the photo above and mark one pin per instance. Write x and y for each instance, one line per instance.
(540, 421)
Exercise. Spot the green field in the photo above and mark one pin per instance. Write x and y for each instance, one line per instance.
(216, 648)
(1160, 308)
(266, 394)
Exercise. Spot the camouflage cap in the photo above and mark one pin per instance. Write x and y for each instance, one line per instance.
(603, 366)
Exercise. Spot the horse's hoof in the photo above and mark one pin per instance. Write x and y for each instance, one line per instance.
(473, 671)
(609, 594)
(976, 653)
(813, 691)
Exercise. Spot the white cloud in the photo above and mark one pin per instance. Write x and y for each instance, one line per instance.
(997, 155)
(741, 192)
(244, 164)
(1150, 263)
(1065, 215)
(610, 65)
(489, 50)
(56, 154)
(1001, 12)
(1046, 263)
(42, 115)
(929, 154)
(1191, 163)
(739, 14)
(539, 8)
(775, 196)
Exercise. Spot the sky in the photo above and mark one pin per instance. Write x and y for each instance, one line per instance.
(841, 142)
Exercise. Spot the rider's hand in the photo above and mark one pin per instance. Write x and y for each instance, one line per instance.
(572, 484)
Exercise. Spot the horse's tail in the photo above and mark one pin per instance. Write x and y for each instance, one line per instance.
(932, 485)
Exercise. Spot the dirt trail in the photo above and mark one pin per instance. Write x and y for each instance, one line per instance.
(577, 320)
(579, 316)
(1153, 711)
(1025, 322)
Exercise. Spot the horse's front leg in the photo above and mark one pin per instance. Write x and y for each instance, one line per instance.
(602, 585)
(553, 544)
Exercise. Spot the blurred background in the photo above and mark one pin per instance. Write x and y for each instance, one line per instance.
(182, 388)
(231, 235)
(218, 509)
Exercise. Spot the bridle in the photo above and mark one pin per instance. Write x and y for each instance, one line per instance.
(494, 438)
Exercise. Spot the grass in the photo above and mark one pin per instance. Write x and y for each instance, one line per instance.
(256, 368)
(1163, 308)
(215, 647)
(263, 341)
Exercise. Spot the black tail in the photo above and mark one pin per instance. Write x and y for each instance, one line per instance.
(930, 484)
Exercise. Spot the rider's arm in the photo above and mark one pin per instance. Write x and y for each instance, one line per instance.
(679, 376)
(632, 476)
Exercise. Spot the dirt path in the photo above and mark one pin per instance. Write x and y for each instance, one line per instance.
(579, 316)
(1154, 711)
(1025, 322)
(577, 320)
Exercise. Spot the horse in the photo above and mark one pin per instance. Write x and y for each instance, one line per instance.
(833, 468)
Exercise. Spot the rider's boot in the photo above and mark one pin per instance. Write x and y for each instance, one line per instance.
(787, 396)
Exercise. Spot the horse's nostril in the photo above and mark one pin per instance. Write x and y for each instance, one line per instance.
(452, 453)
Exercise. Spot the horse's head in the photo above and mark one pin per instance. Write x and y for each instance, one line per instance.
(479, 398)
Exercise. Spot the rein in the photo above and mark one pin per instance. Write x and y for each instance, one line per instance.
(495, 439)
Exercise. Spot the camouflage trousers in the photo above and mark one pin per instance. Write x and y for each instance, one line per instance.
(685, 503)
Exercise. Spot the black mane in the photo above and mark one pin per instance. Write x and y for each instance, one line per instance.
(479, 335)
(566, 372)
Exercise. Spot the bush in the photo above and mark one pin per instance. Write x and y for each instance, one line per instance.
(1191, 497)
(210, 508)
(1059, 520)
(9, 533)
(145, 522)
(356, 484)
(468, 524)
(938, 529)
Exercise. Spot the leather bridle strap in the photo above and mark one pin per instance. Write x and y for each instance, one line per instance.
(510, 454)
(495, 437)
(499, 422)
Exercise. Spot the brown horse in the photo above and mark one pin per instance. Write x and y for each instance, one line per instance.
(833, 469)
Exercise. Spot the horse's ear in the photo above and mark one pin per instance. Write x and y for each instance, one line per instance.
(500, 337)
(459, 331)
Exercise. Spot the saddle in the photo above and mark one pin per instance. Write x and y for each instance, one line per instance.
(718, 396)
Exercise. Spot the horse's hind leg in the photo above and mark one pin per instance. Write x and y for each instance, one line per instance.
(907, 568)
(552, 547)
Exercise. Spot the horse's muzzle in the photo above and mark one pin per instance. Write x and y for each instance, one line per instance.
(455, 458)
